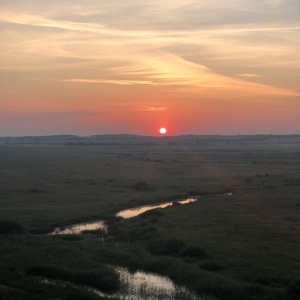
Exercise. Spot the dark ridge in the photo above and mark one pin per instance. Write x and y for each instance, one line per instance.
(132, 139)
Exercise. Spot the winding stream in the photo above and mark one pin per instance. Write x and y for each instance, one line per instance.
(125, 214)
(139, 285)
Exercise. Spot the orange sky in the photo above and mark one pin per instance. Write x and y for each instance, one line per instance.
(201, 67)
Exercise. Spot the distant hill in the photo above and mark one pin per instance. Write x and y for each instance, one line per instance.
(127, 139)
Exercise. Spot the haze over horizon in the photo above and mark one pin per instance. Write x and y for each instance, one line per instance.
(194, 67)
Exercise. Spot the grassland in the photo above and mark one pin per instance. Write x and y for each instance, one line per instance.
(250, 238)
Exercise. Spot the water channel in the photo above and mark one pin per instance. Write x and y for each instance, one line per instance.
(125, 214)
(138, 285)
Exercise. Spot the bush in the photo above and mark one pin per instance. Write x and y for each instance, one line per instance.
(166, 247)
(194, 251)
(211, 266)
(7, 227)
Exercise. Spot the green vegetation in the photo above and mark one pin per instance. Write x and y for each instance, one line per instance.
(242, 245)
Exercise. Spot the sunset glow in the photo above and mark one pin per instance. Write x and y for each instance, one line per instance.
(98, 67)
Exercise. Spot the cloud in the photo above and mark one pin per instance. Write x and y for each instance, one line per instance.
(118, 82)
(250, 75)
(151, 108)
(185, 59)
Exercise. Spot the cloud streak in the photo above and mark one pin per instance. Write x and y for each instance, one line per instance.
(151, 108)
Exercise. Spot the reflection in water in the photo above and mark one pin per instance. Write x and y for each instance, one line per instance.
(133, 212)
(125, 214)
(141, 286)
(78, 228)
(187, 201)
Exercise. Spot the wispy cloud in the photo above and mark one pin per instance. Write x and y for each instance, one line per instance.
(151, 108)
(164, 69)
(118, 82)
(249, 75)
(90, 38)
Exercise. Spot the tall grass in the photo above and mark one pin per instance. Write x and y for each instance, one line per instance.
(106, 279)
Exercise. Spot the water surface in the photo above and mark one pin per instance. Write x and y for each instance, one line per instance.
(125, 214)
(133, 212)
(79, 228)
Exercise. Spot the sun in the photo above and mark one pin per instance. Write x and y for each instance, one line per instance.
(163, 130)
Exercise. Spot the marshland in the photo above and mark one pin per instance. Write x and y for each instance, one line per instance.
(239, 240)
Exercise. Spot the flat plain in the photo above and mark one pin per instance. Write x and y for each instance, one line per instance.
(246, 220)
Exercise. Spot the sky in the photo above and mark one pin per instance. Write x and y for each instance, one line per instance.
(91, 67)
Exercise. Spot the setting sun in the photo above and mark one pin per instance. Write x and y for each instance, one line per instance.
(162, 130)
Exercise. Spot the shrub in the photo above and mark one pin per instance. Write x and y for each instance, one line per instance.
(7, 227)
(166, 247)
(211, 266)
(194, 251)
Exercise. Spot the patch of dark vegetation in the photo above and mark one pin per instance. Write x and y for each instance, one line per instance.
(9, 227)
(35, 191)
(217, 191)
(98, 232)
(211, 266)
(152, 213)
(141, 186)
(90, 181)
(263, 279)
(171, 246)
(193, 251)
(270, 186)
(68, 237)
(293, 291)
(104, 279)
(129, 234)
(248, 180)
(291, 182)
(194, 193)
